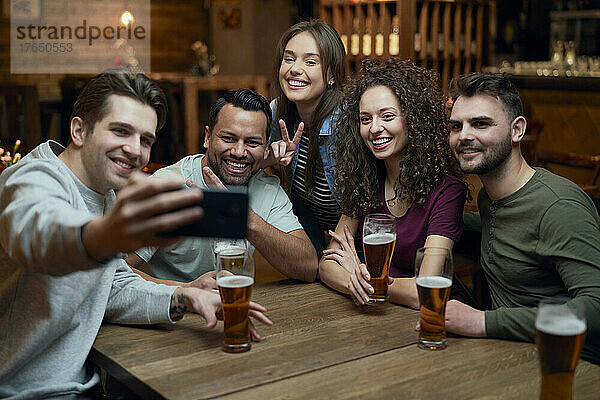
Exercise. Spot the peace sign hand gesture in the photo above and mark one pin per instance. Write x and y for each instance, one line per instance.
(282, 151)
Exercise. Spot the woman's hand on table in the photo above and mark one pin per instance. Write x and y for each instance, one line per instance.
(347, 257)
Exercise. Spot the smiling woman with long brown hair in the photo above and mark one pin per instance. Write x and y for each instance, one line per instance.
(308, 76)
(392, 156)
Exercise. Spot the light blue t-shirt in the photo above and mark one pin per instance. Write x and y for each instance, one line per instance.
(192, 257)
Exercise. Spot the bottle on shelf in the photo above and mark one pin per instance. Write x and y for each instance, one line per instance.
(395, 36)
(344, 38)
(379, 39)
(367, 39)
(355, 38)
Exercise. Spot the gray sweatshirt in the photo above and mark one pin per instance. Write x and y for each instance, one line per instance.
(53, 296)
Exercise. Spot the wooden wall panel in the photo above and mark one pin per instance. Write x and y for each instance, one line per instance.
(175, 26)
(571, 124)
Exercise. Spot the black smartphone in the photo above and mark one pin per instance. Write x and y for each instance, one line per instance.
(225, 214)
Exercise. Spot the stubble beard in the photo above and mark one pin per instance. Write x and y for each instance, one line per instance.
(216, 166)
(492, 158)
(100, 172)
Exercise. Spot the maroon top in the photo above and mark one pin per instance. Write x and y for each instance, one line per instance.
(440, 215)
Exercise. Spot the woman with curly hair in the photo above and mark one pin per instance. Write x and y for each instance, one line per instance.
(392, 156)
(308, 75)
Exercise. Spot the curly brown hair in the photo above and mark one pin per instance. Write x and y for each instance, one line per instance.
(427, 157)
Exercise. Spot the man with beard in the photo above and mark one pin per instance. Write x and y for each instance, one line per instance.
(540, 232)
(235, 140)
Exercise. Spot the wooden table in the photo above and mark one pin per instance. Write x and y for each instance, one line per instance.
(321, 346)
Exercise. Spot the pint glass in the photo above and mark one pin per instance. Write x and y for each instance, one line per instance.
(379, 240)
(235, 277)
(433, 273)
(559, 333)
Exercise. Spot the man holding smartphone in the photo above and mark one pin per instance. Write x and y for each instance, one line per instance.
(63, 232)
(235, 139)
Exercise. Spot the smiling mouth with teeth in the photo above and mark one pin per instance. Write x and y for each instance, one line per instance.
(382, 140)
(235, 165)
(469, 151)
(380, 143)
(296, 83)
(122, 164)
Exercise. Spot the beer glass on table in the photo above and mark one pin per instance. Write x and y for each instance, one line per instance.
(433, 273)
(379, 240)
(559, 333)
(235, 278)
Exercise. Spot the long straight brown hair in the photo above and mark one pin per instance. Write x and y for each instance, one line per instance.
(332, 53)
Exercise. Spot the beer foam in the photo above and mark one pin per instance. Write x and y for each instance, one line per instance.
(379, 238)
(563, 325)
(231, 251)
(235, 281)
(434, 282)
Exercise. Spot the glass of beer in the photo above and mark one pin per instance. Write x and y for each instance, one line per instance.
(235, 277)
(433, 273)
(379, 240)
(560, 330)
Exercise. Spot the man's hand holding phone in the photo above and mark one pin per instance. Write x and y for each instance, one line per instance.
(225, 210)
(145, 208)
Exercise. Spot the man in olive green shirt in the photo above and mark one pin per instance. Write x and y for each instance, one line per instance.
(540, 232)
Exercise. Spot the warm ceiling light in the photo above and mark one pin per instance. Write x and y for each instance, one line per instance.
(126, 18)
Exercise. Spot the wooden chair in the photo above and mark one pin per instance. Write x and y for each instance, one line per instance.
(546, 158)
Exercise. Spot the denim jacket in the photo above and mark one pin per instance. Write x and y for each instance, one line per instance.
(301, 209)
(325, 141)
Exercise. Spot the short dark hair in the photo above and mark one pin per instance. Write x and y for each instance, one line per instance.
(245, 99)
(91, 105)
(495, 85)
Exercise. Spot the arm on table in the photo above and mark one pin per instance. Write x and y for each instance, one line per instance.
(404, 290)
(465, 320)
(570, 238)
(136, 301)
(205, 281)
(339, 260)
(460, 318)
(290, 253)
